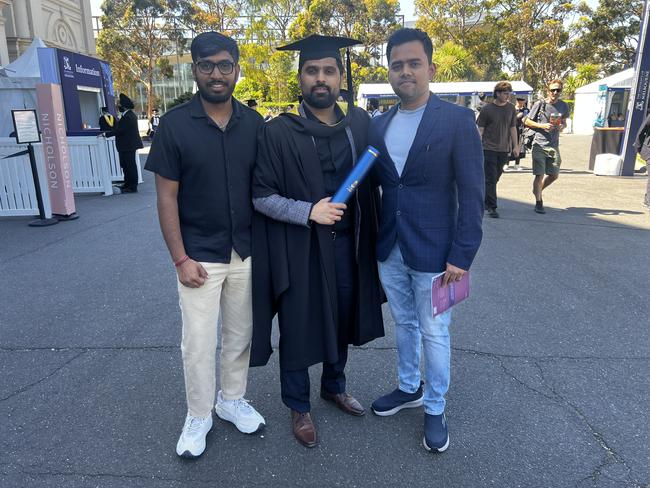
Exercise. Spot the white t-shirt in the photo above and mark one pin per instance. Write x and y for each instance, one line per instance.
(401, 134)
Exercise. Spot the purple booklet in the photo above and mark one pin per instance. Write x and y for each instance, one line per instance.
(443, 298)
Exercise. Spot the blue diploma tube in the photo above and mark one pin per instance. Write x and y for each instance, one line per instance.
(356, 176)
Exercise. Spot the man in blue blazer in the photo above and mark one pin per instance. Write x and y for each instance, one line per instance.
(431, 174)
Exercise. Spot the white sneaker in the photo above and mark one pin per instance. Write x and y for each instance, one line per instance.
(518, 168)
(240, 413)
(191, 443)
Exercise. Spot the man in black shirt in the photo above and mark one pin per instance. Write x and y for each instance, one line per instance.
(497, 124)
(314, 260)
(203, 156)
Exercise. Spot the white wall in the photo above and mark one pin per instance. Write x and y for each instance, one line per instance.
(584, 113)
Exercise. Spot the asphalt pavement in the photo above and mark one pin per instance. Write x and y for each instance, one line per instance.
(550, 360)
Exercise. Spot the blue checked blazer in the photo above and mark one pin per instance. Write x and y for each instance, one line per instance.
(434, 211)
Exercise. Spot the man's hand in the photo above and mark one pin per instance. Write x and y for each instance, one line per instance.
(546, 126)
(452, 274)
(327, 213)
(192, 274)
(515, 150)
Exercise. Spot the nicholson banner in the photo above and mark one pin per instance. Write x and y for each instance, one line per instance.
(58, 167)
(638, 106)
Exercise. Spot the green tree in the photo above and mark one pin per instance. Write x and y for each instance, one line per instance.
(277, 16)
(280, 72)
(612, 34)
(214, 15)
(467, 24)
(454, 63)
(539, 37)
(452, 20)
(135, 36)
(369, 21)
(585, 73)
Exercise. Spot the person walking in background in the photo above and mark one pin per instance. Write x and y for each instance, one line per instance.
(373, 107)
(431, 174)
(547, 118)
(481, 101)
(497, 124)
(522, 112)
(127, 142)
(154, 122)
(203, 157)
(106, 120)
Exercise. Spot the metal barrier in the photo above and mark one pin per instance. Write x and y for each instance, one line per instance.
(95, 165)
(17, 193)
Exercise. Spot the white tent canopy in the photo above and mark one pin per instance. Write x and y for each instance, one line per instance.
(26, 66)
(587, 106)
(622, 79)
(371, 90)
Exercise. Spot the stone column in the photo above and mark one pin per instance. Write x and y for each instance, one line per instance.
(22, 30)
(4, 52)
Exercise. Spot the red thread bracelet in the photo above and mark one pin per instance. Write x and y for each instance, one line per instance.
(181, 260)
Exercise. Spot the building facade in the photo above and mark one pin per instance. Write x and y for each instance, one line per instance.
(65, 24)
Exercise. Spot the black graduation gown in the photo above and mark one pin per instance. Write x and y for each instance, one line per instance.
(293, 265)
(127, 137)
(104, 125)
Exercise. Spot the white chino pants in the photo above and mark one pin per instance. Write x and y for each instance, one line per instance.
(228, 289)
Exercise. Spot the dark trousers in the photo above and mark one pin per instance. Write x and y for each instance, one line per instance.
(493, 165)
(294, 384)
(127, 162)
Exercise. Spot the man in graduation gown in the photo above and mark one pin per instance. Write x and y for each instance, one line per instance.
(106, 120)
(312, 259)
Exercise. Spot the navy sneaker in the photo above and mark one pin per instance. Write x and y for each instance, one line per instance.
(436, 435)
(397, 400)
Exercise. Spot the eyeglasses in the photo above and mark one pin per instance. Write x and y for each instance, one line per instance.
(207, 67)
(555, 90)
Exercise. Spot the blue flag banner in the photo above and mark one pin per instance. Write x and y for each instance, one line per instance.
(638, 97)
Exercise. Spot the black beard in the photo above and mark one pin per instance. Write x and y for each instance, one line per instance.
(320, 101)
(211, 97)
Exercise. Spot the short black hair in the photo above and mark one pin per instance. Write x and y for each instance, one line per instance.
(404, 35)
(210, 43)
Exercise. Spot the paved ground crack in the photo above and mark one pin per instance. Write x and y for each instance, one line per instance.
(610, 457)
(40, 380)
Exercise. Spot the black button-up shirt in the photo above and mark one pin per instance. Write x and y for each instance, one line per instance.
(213, 168)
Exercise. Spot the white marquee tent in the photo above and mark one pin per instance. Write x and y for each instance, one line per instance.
(587, 99)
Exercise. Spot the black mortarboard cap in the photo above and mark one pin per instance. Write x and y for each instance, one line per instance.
(319, 47)
(316, 46)
(126, 102)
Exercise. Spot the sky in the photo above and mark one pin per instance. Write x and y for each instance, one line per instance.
(406, 7)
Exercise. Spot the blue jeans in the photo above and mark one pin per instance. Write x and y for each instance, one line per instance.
(409, 299)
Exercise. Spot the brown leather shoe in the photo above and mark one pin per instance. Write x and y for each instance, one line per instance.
(303, 428)
(344, 401)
